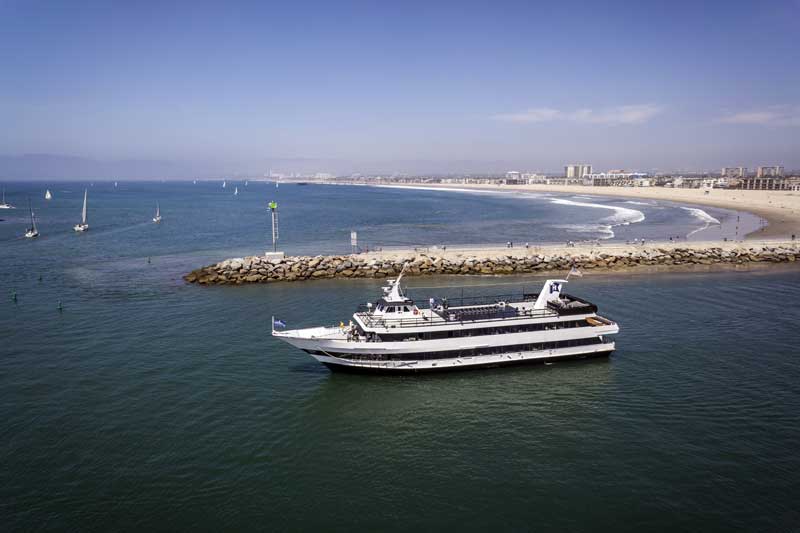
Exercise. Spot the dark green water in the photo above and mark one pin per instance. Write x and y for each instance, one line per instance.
(148, 404)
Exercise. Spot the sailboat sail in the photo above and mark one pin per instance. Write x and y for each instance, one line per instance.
(236, 191)
(33, 220)
(158, 211)
(47, 195)
(85, 196)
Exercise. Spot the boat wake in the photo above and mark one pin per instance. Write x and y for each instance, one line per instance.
(622, 216)
(704, 217)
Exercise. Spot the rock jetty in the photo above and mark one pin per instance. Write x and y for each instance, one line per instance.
(258, 269)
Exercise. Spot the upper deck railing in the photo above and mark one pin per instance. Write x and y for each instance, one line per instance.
(475, 309)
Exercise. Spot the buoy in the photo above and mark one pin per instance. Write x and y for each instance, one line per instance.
(14, 295)
(60, 307)
(148, 260)
(40, 277)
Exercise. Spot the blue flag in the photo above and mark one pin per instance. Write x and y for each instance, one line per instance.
(278, 323)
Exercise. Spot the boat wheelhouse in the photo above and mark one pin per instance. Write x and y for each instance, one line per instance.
(396, 335)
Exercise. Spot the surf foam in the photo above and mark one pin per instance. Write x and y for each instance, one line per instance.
(622, 216)
(702, 216)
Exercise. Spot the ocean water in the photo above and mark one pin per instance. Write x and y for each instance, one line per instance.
(149, 404)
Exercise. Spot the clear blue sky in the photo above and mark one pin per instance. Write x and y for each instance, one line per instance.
(406, 86)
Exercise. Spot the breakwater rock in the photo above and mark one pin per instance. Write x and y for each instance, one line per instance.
(258, 269)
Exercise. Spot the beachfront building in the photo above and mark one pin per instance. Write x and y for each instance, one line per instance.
(763, 172)
(733, 172)
(768, 183)
(617, 178)
(577, 171)
(533, 178)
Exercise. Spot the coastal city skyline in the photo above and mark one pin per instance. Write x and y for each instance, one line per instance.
(203, 90)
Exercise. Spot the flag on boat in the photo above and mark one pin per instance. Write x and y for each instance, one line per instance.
(575, 272)
(278, 323)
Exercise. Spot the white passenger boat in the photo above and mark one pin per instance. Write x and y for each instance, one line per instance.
(395, 335)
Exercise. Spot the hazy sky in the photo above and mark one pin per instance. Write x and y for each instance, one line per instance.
(405, 86)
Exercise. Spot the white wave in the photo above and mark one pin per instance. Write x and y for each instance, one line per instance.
(704, 217)
(604, 230)
(634, 202)
(622, 215)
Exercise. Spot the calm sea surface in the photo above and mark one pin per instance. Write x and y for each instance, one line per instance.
(148, 404)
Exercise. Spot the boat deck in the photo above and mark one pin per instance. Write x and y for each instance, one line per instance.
(489, 309)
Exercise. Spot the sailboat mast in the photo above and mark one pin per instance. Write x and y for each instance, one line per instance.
(30, 208)
(85, 196)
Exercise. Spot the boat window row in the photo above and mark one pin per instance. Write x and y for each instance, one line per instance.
(472, 352)
(478, 332)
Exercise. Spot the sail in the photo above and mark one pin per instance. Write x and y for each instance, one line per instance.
(85, 196)
(158, 210)
(47, 195)
(33, 220)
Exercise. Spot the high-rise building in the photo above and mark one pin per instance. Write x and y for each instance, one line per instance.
(775, 171)
(577, 171)
(733, 172)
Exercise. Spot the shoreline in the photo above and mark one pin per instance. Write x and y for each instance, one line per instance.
(780, 209)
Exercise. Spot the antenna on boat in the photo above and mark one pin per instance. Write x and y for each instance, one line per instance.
(393, 291)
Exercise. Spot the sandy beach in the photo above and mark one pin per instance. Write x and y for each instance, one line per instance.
(781, 209)
(579, 249)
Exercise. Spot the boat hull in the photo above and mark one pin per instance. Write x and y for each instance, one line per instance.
(466, 363)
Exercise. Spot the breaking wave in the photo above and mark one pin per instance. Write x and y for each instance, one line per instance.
(702, 216)
(604, 230)
(622, 216)
(634, 202)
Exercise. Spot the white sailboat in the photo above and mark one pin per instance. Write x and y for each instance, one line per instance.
(84, 225)
(157, 218)
(224, 184)
(47, 195)
(4, 205)
(194, 182)
(236, 191)
(32, 231)
(245, 183)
